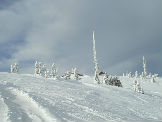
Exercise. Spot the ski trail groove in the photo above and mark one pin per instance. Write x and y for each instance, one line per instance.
(3, 111)
(31, 107)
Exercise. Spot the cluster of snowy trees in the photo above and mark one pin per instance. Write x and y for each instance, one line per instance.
(41, 69)
(110, 80)
(74, 75)
(138, 75)
(14, 68)
(144, 74)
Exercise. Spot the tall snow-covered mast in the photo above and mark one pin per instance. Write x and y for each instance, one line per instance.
(95, 60)
(144, 67)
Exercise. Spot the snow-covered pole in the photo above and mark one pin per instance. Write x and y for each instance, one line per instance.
(144, 67)
(95, 61)
(11, 69)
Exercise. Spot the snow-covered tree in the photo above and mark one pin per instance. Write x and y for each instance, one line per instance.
(14, 68)
(53, 71)
(137, 87)
(130, 75)
(37, 67)
(142, 75)
(74, 74)
(67, 75)
(40, 68)
(47, 74)
(136, 74)
(155, 75)
(95, 61)
(40, 64)
(43, 70)
(106, 78)
(144, 67)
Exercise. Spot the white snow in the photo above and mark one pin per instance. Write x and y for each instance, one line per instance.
(3, 111)
(25, 97)
(32, 108)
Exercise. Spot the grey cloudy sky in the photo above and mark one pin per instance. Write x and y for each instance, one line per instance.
(61, 31)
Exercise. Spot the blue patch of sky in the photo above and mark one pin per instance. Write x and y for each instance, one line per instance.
(8, 48)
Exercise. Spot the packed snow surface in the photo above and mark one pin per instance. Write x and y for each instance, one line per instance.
(29, 98)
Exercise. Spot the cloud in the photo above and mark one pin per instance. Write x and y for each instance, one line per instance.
(61, 31)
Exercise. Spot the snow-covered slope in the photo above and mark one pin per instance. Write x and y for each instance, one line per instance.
(26, 98)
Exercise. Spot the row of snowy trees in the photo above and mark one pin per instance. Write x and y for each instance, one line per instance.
(144, 74)
(138, 75)
(41, 69)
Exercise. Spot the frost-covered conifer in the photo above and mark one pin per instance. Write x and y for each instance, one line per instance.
(106, 78)
(14, 68)
(53, 71)
(155, 75)
(43, 70)
(130, 75)
(137, 87)
(75, 74)
(67, 75)
(142, 74)
(47, 74)
(136, 74)
(37, 67)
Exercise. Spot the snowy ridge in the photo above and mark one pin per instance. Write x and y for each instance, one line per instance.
(27, 98)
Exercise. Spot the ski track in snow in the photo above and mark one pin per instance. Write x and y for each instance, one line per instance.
(33, 109)
(3, 111)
